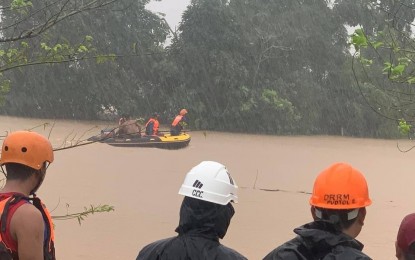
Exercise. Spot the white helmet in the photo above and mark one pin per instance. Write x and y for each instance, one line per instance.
(210, 181)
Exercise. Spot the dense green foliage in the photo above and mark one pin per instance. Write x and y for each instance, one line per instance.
(260, 66)
(384, 59)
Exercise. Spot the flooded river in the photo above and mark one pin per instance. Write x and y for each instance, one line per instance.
(142, 185)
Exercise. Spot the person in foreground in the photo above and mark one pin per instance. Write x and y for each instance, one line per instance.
(338, 202)
(405, 243)
(26, 226)
(205, 215)
(178, 122)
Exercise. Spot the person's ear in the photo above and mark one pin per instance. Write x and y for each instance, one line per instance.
(361, 216)
(313, 212)
(398, 250)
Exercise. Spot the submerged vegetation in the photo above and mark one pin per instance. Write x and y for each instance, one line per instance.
(80, 216)
(276, 67)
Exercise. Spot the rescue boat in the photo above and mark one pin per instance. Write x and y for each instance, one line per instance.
(166, 141)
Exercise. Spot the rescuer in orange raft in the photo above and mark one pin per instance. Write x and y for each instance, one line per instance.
(338, 202)
(152, 125)
(26, 226)
(177, 124)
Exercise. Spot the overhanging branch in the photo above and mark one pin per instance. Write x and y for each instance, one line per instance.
(54, 19)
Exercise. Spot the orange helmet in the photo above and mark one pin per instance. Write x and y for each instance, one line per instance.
(340, 187)
(27, 148)
(183, 112)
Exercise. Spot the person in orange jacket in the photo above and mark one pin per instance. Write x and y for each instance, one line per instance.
(177, 124)
(152, 125)
(338, 207)
(26, 225)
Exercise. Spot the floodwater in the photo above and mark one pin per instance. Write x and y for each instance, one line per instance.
(142, 185)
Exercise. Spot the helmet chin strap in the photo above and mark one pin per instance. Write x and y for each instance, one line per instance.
(3, 171)
(33, 192)
(42, 173)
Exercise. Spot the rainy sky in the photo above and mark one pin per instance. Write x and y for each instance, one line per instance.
(173, 10)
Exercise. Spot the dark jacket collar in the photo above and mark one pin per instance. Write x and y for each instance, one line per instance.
(324, 235)
(202, 218)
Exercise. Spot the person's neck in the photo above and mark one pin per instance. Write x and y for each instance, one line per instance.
(18, 186)
(353, 231)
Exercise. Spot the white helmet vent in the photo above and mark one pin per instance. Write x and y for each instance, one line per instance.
(230, 178)
(197, 184)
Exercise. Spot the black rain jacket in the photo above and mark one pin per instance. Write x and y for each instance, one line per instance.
(319, 240)
(201, 225)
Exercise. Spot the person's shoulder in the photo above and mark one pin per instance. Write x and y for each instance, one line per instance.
(288, 250)
(346, 252)
(27, 219)
(158, 243)
(227, 253)
(154, 249)
(28, 211)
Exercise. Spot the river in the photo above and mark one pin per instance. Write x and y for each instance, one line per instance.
(142, 185)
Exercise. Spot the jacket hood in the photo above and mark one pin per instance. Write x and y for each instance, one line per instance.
(204, 218)
(320, 236)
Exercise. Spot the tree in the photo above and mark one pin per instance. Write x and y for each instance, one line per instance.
(83, 87)
(253, 66)
(384, 60)
(24, 40)
(269, 67)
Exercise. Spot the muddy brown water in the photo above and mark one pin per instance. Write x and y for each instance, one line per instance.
(142, 185)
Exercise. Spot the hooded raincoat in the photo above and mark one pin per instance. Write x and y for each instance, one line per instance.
(201, 225)
(319, 240)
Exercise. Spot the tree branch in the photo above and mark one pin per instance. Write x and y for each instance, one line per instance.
(53, 20)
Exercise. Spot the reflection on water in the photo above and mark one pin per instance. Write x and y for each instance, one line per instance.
(142, 185)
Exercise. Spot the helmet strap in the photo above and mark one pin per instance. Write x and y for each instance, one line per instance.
(42, 173)
(350, 215)
(33, 192)
(3, 171)
(318, 213)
